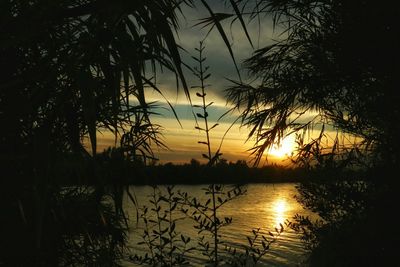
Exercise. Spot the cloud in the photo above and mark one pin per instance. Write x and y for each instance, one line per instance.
(183, 140)
(218, 57)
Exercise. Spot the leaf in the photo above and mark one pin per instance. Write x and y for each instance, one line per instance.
(202, 142)
(263, 244)
(205, 156)
(88, 106)
(174, 53)
(195, 58)
(160, 92)
(216, 18)
(21, 210)
(174, 206)
(215, 125)
(239, 15)
(250, 241)
(200, 115)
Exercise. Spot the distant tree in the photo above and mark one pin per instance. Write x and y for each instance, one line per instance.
(194, 163)
(241, 163)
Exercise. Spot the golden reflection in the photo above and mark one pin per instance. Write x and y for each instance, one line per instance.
(280, 207)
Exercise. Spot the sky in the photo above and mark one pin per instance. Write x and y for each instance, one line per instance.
(182, 139)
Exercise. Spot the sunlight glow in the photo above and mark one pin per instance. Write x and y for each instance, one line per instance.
(280, 207)
(284, 149)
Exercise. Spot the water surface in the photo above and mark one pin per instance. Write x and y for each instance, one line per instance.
(264, 206)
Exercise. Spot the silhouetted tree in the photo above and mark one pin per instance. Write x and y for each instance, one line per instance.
(339, 60)
(336, 58)
(68, 70)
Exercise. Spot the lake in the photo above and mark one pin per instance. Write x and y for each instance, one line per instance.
(264, 206)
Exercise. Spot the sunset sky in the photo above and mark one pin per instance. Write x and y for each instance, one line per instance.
(183, 141)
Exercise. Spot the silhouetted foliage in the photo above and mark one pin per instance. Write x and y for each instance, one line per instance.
(68, 70)
(258, 246)
(166, 246)
(336, 58)
(229, 173)
(206, 214)
(333, 67)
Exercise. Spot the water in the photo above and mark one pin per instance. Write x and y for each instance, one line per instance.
(265, 206)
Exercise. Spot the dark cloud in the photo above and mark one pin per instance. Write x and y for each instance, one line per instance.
(218, 57)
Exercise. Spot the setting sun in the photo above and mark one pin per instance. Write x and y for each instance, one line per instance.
(284, 149)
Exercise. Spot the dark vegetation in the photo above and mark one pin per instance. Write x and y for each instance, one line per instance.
(223, 172)
(70, 69)
(338, 59)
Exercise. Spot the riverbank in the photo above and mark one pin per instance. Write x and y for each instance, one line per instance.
(125, 172)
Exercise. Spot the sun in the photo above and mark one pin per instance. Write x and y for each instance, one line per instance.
(284, 149)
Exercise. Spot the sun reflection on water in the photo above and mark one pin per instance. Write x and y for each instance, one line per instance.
(280, 208)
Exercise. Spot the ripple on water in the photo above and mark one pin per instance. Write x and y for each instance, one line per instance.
(264, 206)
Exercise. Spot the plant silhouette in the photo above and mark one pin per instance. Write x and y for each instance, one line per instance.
(327, 72)
(68, 71)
